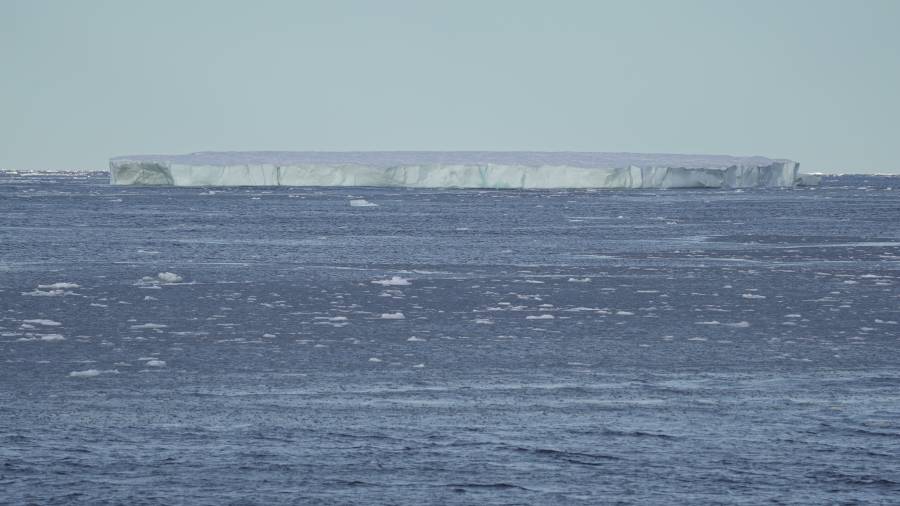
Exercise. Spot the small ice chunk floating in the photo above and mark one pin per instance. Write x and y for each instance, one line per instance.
(454, 169)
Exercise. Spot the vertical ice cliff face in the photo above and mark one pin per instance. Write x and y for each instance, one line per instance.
(809, 179)
(519, 170)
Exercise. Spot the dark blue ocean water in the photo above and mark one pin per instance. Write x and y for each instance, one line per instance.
(555, 347)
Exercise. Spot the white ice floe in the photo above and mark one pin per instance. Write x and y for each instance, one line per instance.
(49, 292)
(374, 359)
(162, 278)
(331, 318)
(155, 363)
(169, 277)
(579, 280)
(393, 281)
(90, 373)
(52, 337)
(149, 326)
(739, 325)
(753, 296)
(415, 339)
(47, 323)
(393, 316)
(540, 317)
(362, 203)
(59, 286)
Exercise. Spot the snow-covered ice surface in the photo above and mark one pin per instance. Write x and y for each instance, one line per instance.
(454, 169)
(705, 346)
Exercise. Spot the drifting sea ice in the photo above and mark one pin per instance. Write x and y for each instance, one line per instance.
(169, 277)
(47, 323)
(59, 286)
(53, 290)
(90, 373)
(393, 281)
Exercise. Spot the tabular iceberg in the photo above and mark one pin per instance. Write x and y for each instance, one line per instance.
(461, 169)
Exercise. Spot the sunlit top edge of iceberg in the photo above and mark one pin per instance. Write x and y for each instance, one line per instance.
(398, 158)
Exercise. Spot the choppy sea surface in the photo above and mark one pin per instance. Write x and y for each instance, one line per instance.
(297, 346)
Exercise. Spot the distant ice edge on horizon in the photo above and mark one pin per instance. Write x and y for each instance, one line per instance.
(461, 169)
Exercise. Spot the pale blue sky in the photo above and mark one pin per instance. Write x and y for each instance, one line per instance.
(815, 81)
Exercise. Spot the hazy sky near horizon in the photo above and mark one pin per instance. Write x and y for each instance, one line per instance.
(814, 81)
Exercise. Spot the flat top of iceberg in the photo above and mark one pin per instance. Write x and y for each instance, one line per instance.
(397, 158)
